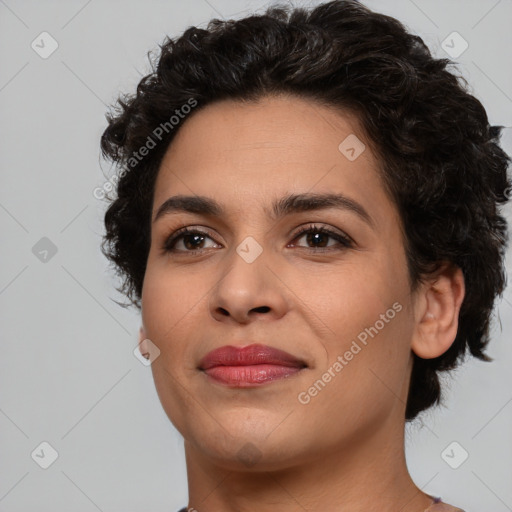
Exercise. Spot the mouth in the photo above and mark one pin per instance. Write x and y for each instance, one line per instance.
(249, 366)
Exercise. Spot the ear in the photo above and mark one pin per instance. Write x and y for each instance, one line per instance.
(143, 345)
(437, 309)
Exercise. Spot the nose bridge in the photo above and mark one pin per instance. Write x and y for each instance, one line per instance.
(246, 266)
(247, 282)
(251, 236)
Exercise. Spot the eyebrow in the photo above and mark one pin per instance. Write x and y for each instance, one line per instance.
(292, 203)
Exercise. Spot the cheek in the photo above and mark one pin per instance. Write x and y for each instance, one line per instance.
(366, 373)
(352, 299)
(370, 324)
(169, 303)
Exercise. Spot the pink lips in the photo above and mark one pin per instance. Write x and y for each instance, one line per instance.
(249, 366)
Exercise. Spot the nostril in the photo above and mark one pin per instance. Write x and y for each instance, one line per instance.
(262, 309)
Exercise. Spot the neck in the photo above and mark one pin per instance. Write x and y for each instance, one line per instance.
(363, 475)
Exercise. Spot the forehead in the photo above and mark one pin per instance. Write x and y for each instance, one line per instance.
(256, 151)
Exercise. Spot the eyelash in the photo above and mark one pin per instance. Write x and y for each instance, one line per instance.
(344, 241)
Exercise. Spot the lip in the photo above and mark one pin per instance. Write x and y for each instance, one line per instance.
(249, 366)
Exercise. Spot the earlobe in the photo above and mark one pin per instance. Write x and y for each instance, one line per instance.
(437, 317)
(143, 345)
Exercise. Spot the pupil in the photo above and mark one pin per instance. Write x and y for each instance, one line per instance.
(196, 237)
(315, 236)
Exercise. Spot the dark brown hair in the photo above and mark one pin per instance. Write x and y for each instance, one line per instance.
(441, 160)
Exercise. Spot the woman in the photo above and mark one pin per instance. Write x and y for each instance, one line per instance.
(307, 215)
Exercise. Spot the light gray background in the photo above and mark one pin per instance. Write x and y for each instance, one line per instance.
(68, 373)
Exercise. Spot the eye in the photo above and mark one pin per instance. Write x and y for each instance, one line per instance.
(191, 240)
(319, 235)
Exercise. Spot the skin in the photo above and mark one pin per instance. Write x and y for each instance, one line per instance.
(344, 450)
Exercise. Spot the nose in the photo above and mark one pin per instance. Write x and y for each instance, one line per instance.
(246, 291)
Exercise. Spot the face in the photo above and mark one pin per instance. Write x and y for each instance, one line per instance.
(336, 297)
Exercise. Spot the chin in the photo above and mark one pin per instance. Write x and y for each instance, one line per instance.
(244, 445)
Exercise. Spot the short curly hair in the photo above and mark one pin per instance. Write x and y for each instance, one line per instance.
(441, 161)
